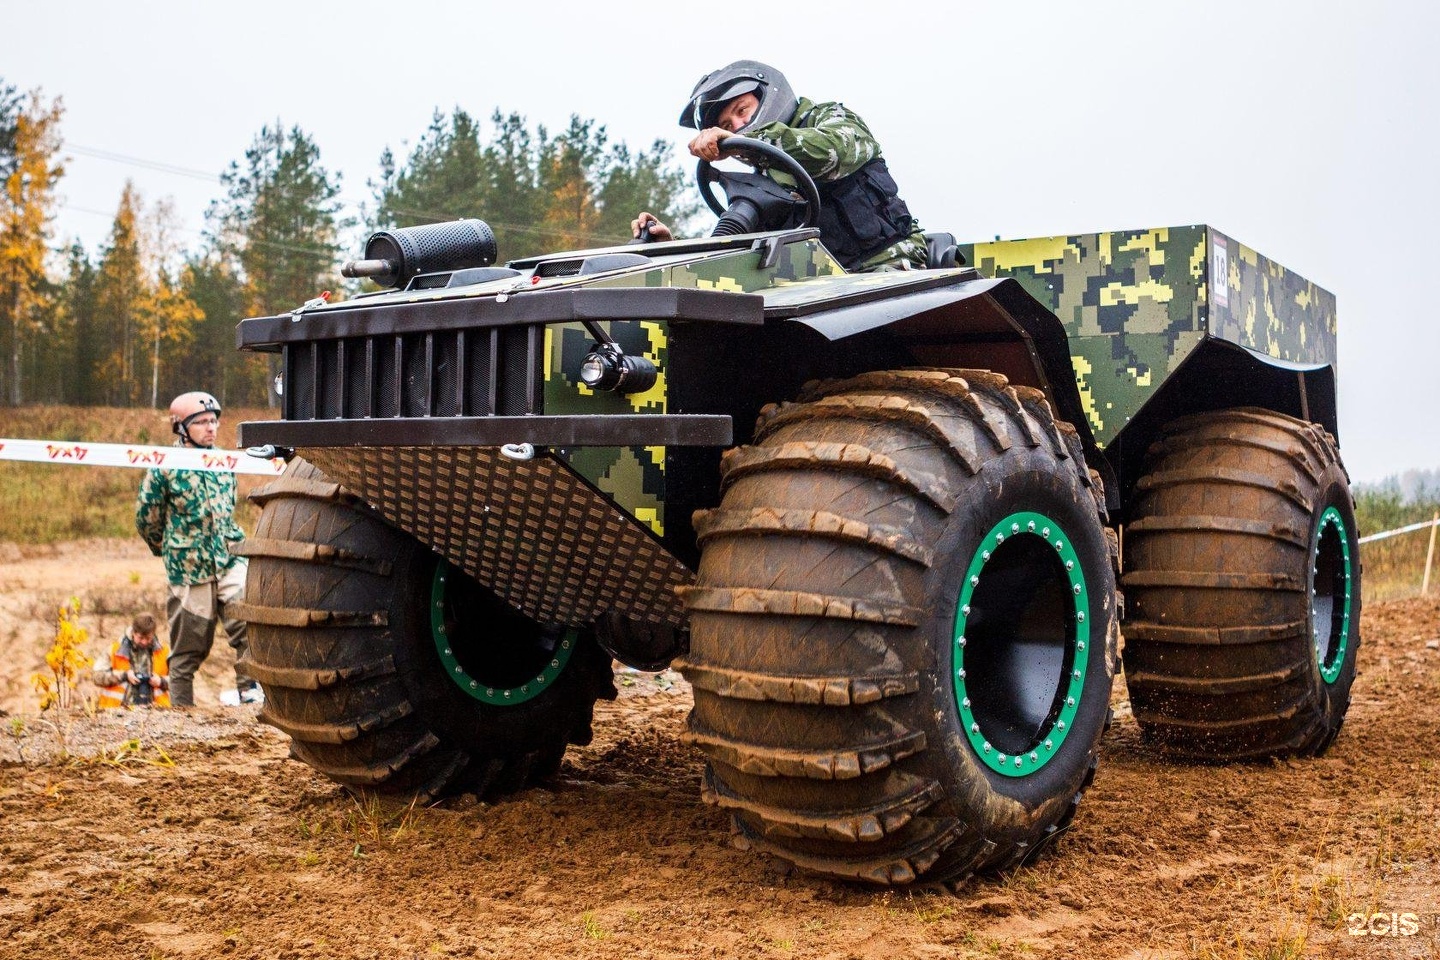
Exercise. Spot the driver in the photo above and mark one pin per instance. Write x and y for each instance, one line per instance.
(862, 219)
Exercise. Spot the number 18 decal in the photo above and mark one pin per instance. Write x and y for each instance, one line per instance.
(1219, 271)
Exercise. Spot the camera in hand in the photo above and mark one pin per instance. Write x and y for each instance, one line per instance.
(140, 693)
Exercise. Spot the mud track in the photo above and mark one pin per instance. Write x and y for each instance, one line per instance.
(156, 834)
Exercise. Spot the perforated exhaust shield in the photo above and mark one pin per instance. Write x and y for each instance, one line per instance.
(533, 531)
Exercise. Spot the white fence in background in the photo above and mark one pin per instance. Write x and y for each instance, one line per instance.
(1433, 525)
(1423, 524)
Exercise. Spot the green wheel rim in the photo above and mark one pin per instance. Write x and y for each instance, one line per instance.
(1058, 685)
(500, 696)
(1331, 593)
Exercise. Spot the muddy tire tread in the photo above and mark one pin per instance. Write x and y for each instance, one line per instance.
(1218, 653)
(329, 684)
(783, 703)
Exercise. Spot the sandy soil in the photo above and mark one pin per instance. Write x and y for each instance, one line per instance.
(162, 835)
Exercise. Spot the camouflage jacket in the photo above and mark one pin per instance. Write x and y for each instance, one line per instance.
(188, 517)
(831, 142)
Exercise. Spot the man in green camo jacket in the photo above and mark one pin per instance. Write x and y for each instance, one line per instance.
(862, 219)
(188, 517)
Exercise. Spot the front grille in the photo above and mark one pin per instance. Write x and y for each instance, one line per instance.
(447, 373)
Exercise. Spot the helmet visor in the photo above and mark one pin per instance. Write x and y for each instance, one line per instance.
(704, 108)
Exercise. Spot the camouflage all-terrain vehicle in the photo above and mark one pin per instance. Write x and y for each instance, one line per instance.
(875, 519)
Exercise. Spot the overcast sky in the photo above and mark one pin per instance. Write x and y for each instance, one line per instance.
(1306, 130)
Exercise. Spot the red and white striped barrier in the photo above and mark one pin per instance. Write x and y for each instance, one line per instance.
(133, 455)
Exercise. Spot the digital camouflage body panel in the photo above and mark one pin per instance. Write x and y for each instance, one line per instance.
(635, 476)
(1266, 308)
(1136, 303)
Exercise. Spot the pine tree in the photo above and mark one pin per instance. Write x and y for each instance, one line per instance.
(281, 219)
(537, 192)
(80, 337)
(512, 193)
(646, 181)
(212, 281)
(122, 292)
(443, 180)
(280, 222)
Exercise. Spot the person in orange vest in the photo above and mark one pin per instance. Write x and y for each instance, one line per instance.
(137, 672)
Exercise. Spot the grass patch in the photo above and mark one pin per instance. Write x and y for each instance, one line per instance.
(361, 826)
(1394, 566)
(591, 926)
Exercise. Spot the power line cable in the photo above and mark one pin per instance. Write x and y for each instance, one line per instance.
(176, 170)
(142, 162)
(270, 244)
(170, 168)
(344, 201)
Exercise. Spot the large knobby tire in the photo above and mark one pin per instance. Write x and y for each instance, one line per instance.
(1243, 588)
(345, 612)
(895, 675)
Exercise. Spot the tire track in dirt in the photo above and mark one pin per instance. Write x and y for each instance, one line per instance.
(236, 851)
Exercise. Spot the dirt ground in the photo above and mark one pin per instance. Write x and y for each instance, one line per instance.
(152, 834)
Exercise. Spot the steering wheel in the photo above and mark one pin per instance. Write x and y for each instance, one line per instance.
(759, 154)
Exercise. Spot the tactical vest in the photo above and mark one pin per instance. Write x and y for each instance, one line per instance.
(862, 214)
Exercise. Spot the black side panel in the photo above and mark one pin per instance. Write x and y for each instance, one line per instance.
(989, 324)
(1216, 376)
(737, 371)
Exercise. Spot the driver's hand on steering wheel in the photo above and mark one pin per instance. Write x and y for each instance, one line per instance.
(658, 230)
(706, 145)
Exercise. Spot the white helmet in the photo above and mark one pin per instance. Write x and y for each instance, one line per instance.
(187, 407)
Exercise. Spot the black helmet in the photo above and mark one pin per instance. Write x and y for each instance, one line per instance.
(719, 87)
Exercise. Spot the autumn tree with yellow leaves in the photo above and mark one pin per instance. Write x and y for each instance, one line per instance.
(29, 169)
(66, 660)
(142, 318)
(141, 309)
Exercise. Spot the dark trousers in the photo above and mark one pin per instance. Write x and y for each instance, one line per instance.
(193, 611)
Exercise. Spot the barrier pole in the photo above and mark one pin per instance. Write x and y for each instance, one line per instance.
(1430, 555)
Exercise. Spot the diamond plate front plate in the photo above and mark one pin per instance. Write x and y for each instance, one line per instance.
(532, 531)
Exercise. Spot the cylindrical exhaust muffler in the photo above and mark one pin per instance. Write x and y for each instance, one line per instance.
(393, 257)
